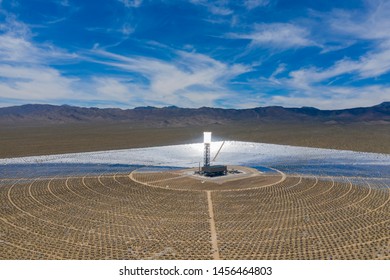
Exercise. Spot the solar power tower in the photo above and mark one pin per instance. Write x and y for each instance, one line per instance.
(208, 169)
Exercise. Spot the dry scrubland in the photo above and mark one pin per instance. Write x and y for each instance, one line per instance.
(30, 140)
(172, 216)
(175, 216)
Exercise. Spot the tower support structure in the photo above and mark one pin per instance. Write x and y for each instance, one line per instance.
(206, 158)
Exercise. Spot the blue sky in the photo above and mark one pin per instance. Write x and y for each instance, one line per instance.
(194, 53)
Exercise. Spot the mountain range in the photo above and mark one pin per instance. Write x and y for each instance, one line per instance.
(176, 117)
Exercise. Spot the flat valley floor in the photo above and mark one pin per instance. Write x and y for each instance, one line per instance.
(176, 215)
(32, 140)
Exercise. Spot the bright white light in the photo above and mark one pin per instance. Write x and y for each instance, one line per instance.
(207, 137)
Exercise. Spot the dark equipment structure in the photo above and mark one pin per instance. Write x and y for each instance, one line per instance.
(214, 170)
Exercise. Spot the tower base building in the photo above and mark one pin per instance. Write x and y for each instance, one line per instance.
(214, 170)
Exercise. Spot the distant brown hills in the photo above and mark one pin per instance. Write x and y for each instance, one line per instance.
(179, 117)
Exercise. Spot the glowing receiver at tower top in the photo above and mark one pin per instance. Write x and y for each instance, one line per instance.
(207, 137)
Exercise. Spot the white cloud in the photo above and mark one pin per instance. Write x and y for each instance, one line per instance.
(124, 31)
(26, 75)
(219, 7)
(131, 3)
(16, 45)
(372, 24)
(318, 87)
(187, 80)
(191, 79)
(374, 64)
(280, 69)
(251, 4)
(64, 3)
(367, 66)
(112, 89)
(127, 29)
(277, 35)
(334, 97)
(15, 49)
(220, 10)
(223, 7)
(37, 83)
(12, 26)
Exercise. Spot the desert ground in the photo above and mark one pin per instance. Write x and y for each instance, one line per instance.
(28, 140)
(174, 214)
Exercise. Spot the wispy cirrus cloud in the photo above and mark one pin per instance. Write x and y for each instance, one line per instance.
(370, 65)
(120, 33)
(64, 3)
(25, 71)
(224, 7)
(189, 79)
(218, 7)
(131, 3)
(318, 87)
(371, 23)
(138, 59)
(280, 69)
(39, 83)
(334, 97)
(251, 4)
(277, 35)
(16, 45)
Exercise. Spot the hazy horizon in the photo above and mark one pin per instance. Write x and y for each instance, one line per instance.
(167, 106)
